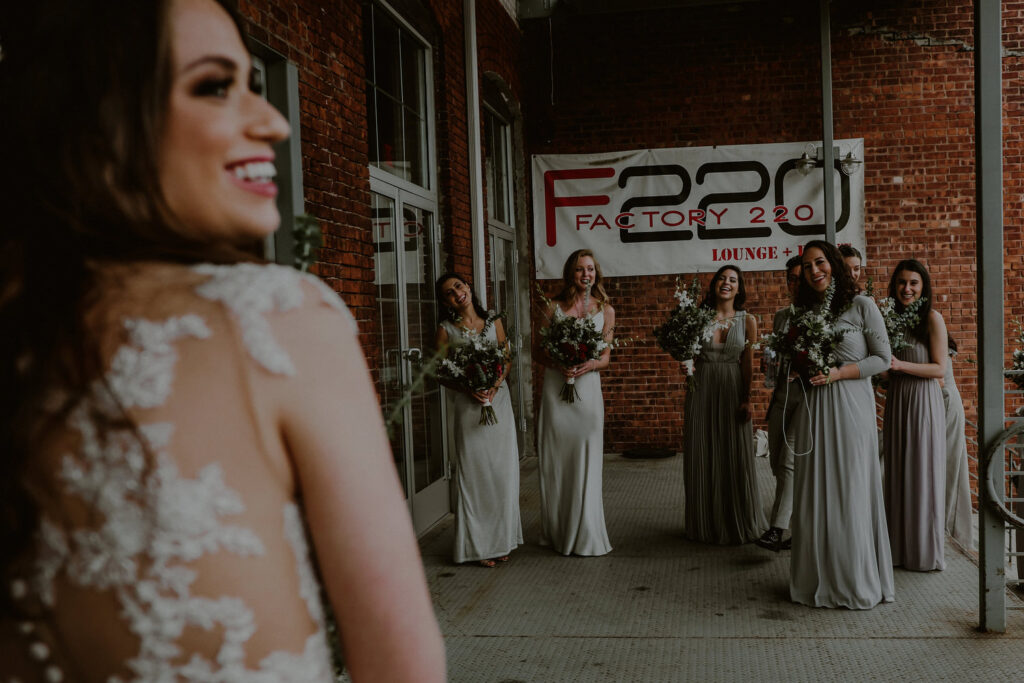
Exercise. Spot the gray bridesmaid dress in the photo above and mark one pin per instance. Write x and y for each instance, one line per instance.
(959, 518)
(570, 461)
(914, 431)
(840, 543)
(487, 522)
(721, 504)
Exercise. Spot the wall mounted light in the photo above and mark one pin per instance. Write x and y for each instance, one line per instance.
(808, 160)
(850, 164)
(805, 164)
(812, 156)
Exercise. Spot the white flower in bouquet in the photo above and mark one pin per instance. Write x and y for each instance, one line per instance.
(571, 341)
(477, 364)
(689, 326)
(897, 325)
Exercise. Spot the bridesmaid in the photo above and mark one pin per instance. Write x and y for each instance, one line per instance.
(721, 503)
(487, 523)
(571, 435)
(840, 543)
(853, 259)
(914, 429)
(959, 518)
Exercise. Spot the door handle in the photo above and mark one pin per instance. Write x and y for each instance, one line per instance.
(414, 356)
(391, 373)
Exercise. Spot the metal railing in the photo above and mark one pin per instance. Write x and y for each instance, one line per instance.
(1014, 546)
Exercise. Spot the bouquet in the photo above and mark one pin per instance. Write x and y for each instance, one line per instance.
(570, 341)
(898, 324)
(812, 339)
(688, 327)
(477, 365)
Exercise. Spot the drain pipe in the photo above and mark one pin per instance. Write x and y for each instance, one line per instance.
(476, 189)
(828, 163)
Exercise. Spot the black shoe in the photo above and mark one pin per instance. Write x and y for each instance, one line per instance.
(788, 544)
(771, 539)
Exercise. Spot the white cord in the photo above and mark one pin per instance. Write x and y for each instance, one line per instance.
(810, 436)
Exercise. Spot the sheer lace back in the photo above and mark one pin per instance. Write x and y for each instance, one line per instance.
(177, 550)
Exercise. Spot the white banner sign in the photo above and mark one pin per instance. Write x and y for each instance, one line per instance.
(690, 209)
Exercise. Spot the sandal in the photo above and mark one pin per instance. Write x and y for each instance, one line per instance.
(490, 564)
(506, 558)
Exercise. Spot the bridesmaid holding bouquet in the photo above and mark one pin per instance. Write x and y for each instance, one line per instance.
(571, 435)
(914, 429)
(721, 500)
(487, 522)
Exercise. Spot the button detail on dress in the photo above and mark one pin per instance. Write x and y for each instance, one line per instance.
(19, 589)
(39, 651)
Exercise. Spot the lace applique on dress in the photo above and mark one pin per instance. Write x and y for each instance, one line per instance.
(250, 291)
(314, 663)
(151, 521)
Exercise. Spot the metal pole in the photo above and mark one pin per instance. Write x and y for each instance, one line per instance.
(476, 187)
(989, 179)
(828, 163)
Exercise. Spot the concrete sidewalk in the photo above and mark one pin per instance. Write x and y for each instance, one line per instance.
(660, 608)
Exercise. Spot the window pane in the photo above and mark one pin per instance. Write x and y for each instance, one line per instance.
(396, 101)
(418, 253)
(373, 139)
(389, 378)
(415, 149)
(497, 168)
(390, 144)
(385, 55)
(489, 170)
(413, 75)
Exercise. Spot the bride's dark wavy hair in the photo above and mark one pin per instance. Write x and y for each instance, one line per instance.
(920, 330)
(846, 288)
(710, 299)
(84, 88)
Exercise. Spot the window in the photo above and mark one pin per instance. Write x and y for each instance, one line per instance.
(396, 98)
(497, 139)
(279, 84)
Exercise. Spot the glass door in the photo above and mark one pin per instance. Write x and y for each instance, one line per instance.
(405, 266)
(505, 285)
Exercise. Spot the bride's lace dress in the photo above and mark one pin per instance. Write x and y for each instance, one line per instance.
(173, 548)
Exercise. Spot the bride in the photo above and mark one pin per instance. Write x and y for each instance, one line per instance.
(176, 417)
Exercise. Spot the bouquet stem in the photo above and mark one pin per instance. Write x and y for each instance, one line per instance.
(487, 415)
(569, 393)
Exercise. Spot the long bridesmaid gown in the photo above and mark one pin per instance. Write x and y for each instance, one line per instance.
(721, 498)
(959, 518)
(841, 552)
(487, 522)
(914, 431)
(571, 458)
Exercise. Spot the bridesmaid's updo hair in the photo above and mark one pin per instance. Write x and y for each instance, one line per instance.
(569, 271)
(846, 288)
(710, 299)
(920, 330)
(445, 312)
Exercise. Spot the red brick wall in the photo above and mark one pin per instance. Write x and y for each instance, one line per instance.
(903, 81)
(325, 42)
(327, 48)
(711, 76)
